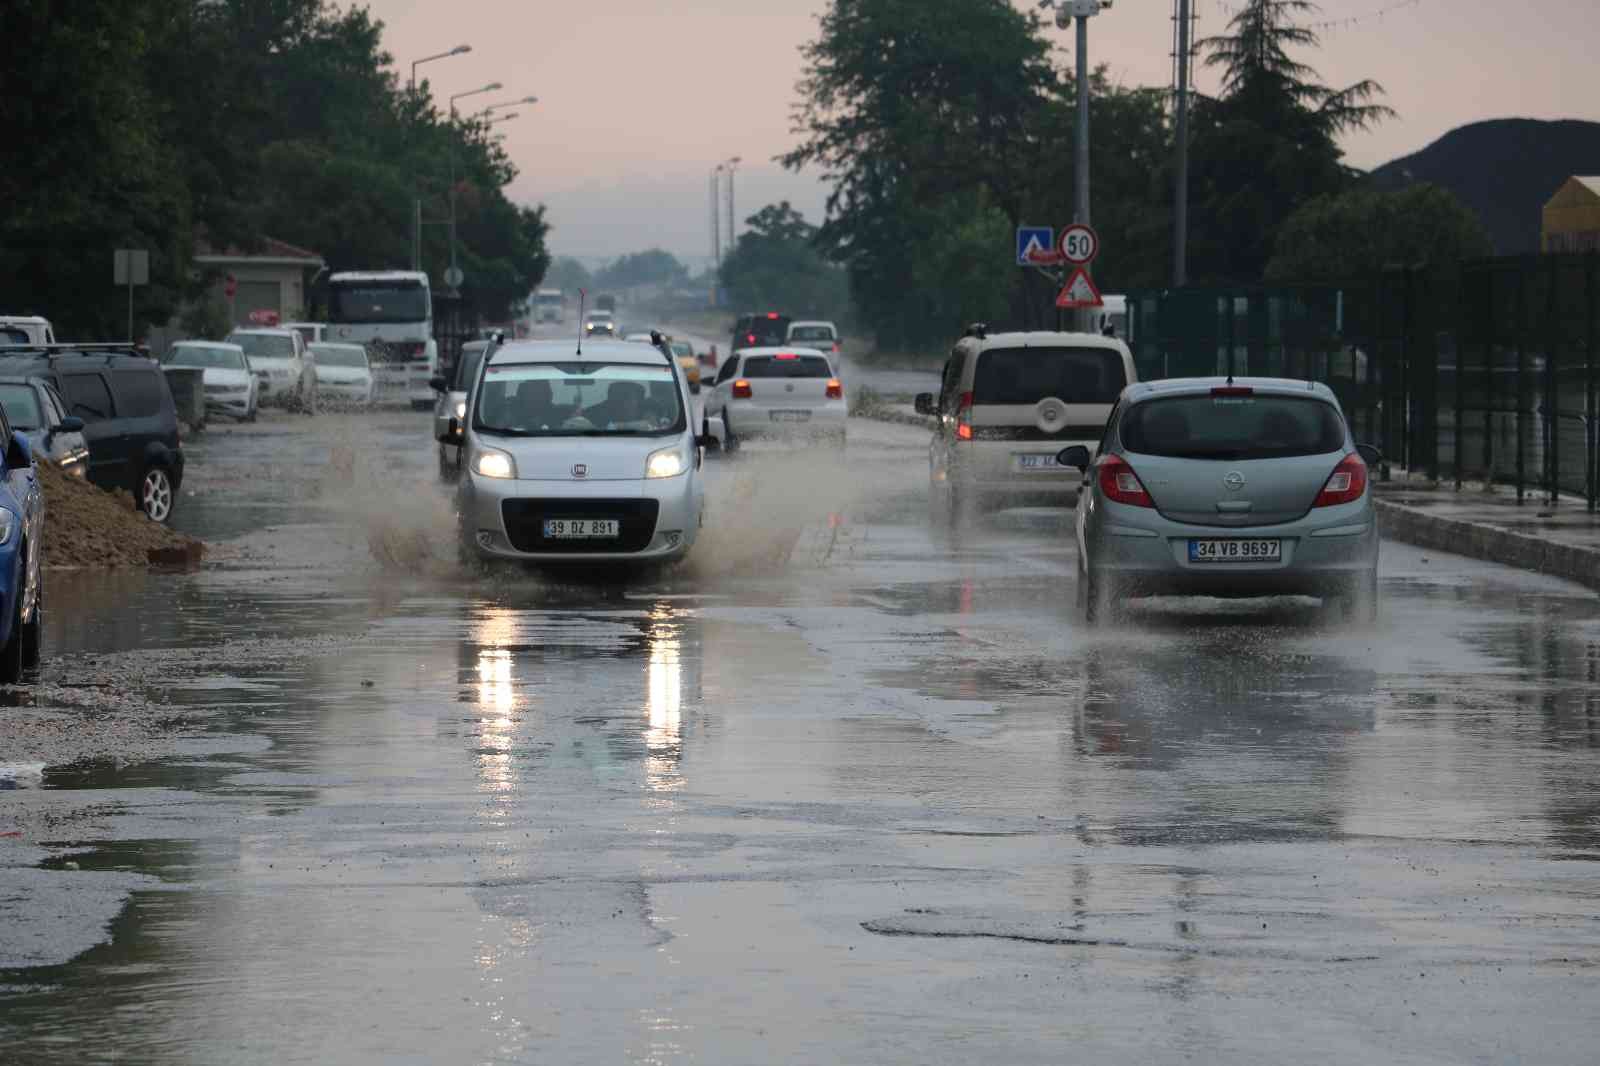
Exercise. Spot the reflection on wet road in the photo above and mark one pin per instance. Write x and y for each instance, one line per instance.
(887, 802)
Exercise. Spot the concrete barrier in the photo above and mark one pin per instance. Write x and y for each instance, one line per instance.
(1480, 540)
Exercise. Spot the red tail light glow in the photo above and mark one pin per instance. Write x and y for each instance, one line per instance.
(1233, 391)
(786, 355)
(741, 389)
(772, 314)
(750, 337)
(835, 347)
(835, 389)
(1119, 484)
(1346, 484)
(964, 417)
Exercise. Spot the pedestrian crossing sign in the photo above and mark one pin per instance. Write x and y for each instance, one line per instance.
(1035, 244)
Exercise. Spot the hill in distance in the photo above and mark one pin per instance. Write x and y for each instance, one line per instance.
(1504, 170)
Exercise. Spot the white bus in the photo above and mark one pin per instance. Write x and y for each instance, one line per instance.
(390, 312)
(548, 305)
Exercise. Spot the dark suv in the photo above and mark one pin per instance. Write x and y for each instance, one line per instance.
(769, 330)
(129, 420)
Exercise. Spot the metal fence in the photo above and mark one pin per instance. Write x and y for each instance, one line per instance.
(1479, 371)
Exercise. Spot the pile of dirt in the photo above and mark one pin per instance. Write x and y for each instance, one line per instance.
(87, 527)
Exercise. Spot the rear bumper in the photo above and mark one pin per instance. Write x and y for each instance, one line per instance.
(745, 420)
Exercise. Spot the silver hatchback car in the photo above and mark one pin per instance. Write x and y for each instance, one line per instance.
(1226, 487)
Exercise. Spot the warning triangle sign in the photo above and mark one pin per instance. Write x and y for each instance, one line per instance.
(1079, 291)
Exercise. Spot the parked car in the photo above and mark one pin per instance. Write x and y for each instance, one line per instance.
(129, 419)
(1008, 403)
(823, 336)
(26, 329)
(344, 374)
(1226, 487)
(21, 553)
(788, 392)
(593, 461)
(452, 403)
(231, 387)
(34, 410)
(283, 367)
(769, 330)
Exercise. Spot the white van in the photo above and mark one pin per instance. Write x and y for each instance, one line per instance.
(1009, 403)
(26, 329)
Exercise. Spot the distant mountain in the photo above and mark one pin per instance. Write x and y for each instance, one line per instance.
(1504, 170)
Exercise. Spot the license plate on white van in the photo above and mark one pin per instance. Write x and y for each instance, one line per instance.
(1038, 462)
(579, 528)
(1235, 551)
(791, 416)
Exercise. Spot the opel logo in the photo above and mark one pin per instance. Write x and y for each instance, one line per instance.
(788, 388)
(1233, 480)
(580, 470)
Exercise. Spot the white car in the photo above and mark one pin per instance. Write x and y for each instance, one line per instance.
(452, 403)
(787, 392)
(313, 332)
(230, 385)
(344, 374)
(282, 365)
(588, 459)
(821, 335)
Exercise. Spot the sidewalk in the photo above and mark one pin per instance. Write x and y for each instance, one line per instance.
(1561, 539)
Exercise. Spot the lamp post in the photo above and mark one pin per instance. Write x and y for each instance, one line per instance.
(716, 230)
(507, 103)
(452, 278)
(731, 165)
(1067, 12)
(416, 198)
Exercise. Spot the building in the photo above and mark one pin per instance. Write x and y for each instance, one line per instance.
(1572, 217)
(269, 284)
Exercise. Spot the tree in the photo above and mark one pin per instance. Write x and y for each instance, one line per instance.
(776, 264)
(1267, 144)
(652, 267)
(569, 275)
(1339, 238)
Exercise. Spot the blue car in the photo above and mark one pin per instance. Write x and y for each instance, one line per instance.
(21, 544)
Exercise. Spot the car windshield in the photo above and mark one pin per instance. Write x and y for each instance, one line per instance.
(811, 333)
(340, 355)
(467, 366)
(579, 400)
(1023, 376)
(21, 405)
(264, 345)
(786, 366)
(1234, 427)
(378, 303)
(218, 358)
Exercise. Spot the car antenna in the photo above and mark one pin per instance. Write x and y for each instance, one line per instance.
(583, 295)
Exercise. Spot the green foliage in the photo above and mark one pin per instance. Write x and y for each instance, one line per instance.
(652, 267)
(1337, 238)
(569, 275)
(147, 123)
(776, 264)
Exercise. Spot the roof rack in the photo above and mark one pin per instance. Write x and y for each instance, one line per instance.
(50, 351)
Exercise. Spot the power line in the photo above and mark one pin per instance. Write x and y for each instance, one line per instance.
(1230, 9)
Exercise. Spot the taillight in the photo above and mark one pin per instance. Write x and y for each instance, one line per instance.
(1233, 391)
(750, 338)
(1346, 484)
(835, 347)
(835, 389)
(741, 389)
(964, 416)
(1119, 484)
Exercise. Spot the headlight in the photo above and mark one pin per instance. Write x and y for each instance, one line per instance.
(668, 462)
(461, 410)
(491, 463)
(7, 520)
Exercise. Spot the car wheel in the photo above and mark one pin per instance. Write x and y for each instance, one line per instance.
(250, 415)
(33, 629)
(155, 496)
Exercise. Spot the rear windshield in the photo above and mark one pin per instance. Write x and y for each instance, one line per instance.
(340, 355)
(762, 333)
(811, 333)
(794, 366)
(220, 358)
(1233, 427)
(264, 345)
(1024, 376)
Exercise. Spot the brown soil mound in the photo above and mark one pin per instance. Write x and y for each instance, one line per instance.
(90, 528)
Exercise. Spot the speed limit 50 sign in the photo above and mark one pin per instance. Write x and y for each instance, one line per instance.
(1078, 244)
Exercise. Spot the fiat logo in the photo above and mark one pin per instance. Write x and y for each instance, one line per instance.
(579, 470)
(1234, 480)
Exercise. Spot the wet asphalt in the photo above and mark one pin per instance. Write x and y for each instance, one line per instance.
(839, 790)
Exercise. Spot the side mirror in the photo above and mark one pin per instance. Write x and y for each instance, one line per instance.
(452, 432)
(925, 405)
(438, 384)
(70, 424)
(1370, 455)
(18, 455)
(1077, 456)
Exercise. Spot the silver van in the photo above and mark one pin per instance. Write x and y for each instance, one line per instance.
(1008, 403)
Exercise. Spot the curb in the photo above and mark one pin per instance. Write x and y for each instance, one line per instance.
(1489, 543)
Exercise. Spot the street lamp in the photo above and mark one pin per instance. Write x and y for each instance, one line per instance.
(458, 50)
(1067, 12)
(716, 230)
(453, 277)
(503, 118)
(493, 86)
(508, 103)
(731, 165)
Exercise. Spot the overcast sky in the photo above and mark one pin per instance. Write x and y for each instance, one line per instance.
(640, 99)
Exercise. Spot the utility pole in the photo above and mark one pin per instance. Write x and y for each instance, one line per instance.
(1180, 190)
(1081, 11)
(716, 231)
(732, 165)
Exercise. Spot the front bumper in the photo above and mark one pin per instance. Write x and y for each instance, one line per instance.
(340, 392)
(502, 518)
(235, 404)
(1147, 555)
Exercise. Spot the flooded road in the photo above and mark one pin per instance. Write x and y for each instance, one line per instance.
(836, 790)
